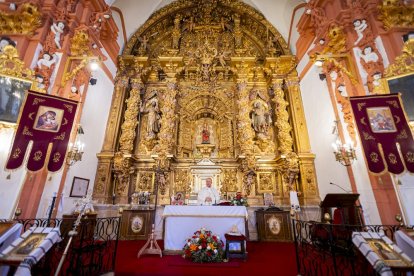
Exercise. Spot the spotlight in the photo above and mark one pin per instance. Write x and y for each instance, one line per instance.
(94, 65)
(93, 81)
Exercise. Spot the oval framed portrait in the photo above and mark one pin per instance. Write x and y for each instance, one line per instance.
(137, 224)
(274, 225)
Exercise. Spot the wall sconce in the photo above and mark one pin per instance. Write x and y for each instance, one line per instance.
(344, 153)
(76, 149)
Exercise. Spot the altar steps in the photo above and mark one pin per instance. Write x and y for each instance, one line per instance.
(265, 258)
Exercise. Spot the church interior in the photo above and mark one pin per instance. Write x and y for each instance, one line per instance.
(182, 137)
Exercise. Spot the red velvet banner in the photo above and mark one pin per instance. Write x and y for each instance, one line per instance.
(385, 133)
(44, 119)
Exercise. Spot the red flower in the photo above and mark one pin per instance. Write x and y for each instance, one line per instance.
(193, 237)
(208, 235)
(208, 253)
(203, 245)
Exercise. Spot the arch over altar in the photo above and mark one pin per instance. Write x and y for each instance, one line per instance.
(207, 82)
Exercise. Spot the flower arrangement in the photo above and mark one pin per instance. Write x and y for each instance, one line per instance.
(204, 247)
(239, 200)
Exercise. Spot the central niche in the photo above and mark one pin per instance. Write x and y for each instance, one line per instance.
(206, 125)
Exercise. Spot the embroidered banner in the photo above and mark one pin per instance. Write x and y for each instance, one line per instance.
(382, 125)
(44, 119)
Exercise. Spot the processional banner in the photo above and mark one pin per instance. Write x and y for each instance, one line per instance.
(45, 120)
(386, 137)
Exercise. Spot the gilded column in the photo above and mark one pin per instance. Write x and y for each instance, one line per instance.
(102, 191)
(168, 121)
(123, 161)
(282, 123)
(115, 114)
(244, 130)
(129, 126)
(306, 158)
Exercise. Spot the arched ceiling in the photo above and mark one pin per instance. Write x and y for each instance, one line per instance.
(277, 12)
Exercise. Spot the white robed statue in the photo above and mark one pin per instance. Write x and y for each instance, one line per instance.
(208, 195)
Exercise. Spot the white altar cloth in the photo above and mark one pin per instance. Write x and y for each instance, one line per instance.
(182, 221)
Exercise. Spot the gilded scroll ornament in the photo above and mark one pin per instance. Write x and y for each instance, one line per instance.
(80, 43)
(403, 64)
(24, 21)
(229, 183)
(181, 180)
(11, 65)
(396, 14)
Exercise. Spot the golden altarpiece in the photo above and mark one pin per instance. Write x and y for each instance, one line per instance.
(206, 88)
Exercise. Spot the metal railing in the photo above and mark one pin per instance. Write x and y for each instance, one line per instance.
(327, 249)
(92, 252)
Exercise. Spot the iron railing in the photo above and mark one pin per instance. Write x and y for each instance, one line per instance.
(92, 251)
(327, 249)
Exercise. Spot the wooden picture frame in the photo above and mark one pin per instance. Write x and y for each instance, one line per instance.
(79, 187)
(12, 94)
(404, 84)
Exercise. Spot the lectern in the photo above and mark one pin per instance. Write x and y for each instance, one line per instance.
(342, 208)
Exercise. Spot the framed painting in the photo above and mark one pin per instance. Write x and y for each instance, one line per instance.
(381, 120)
(25, 247)
(79, 187)
(379, 249)
(268, 199)
(12, 93)
(48, 119)
(404, 85)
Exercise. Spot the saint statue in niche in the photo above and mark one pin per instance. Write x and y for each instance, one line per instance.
(260, 117)
(205, 135)
(154, 116)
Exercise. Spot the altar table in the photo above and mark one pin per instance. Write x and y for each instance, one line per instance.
(182, 221)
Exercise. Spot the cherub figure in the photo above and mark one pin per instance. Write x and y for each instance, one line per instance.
(57, 30)
(359, 27)
(47, 60)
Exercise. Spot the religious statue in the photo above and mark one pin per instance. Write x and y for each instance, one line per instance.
(205, 135)
(57, 30)
(260, 117)
(47, 60)
(249, 181)
(154, 116)
(368, 55)
(359, 27)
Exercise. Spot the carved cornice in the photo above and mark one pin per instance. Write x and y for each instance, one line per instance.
(280, 66)
(24, 21)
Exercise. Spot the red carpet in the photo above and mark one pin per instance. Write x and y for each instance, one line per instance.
(265, 258)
